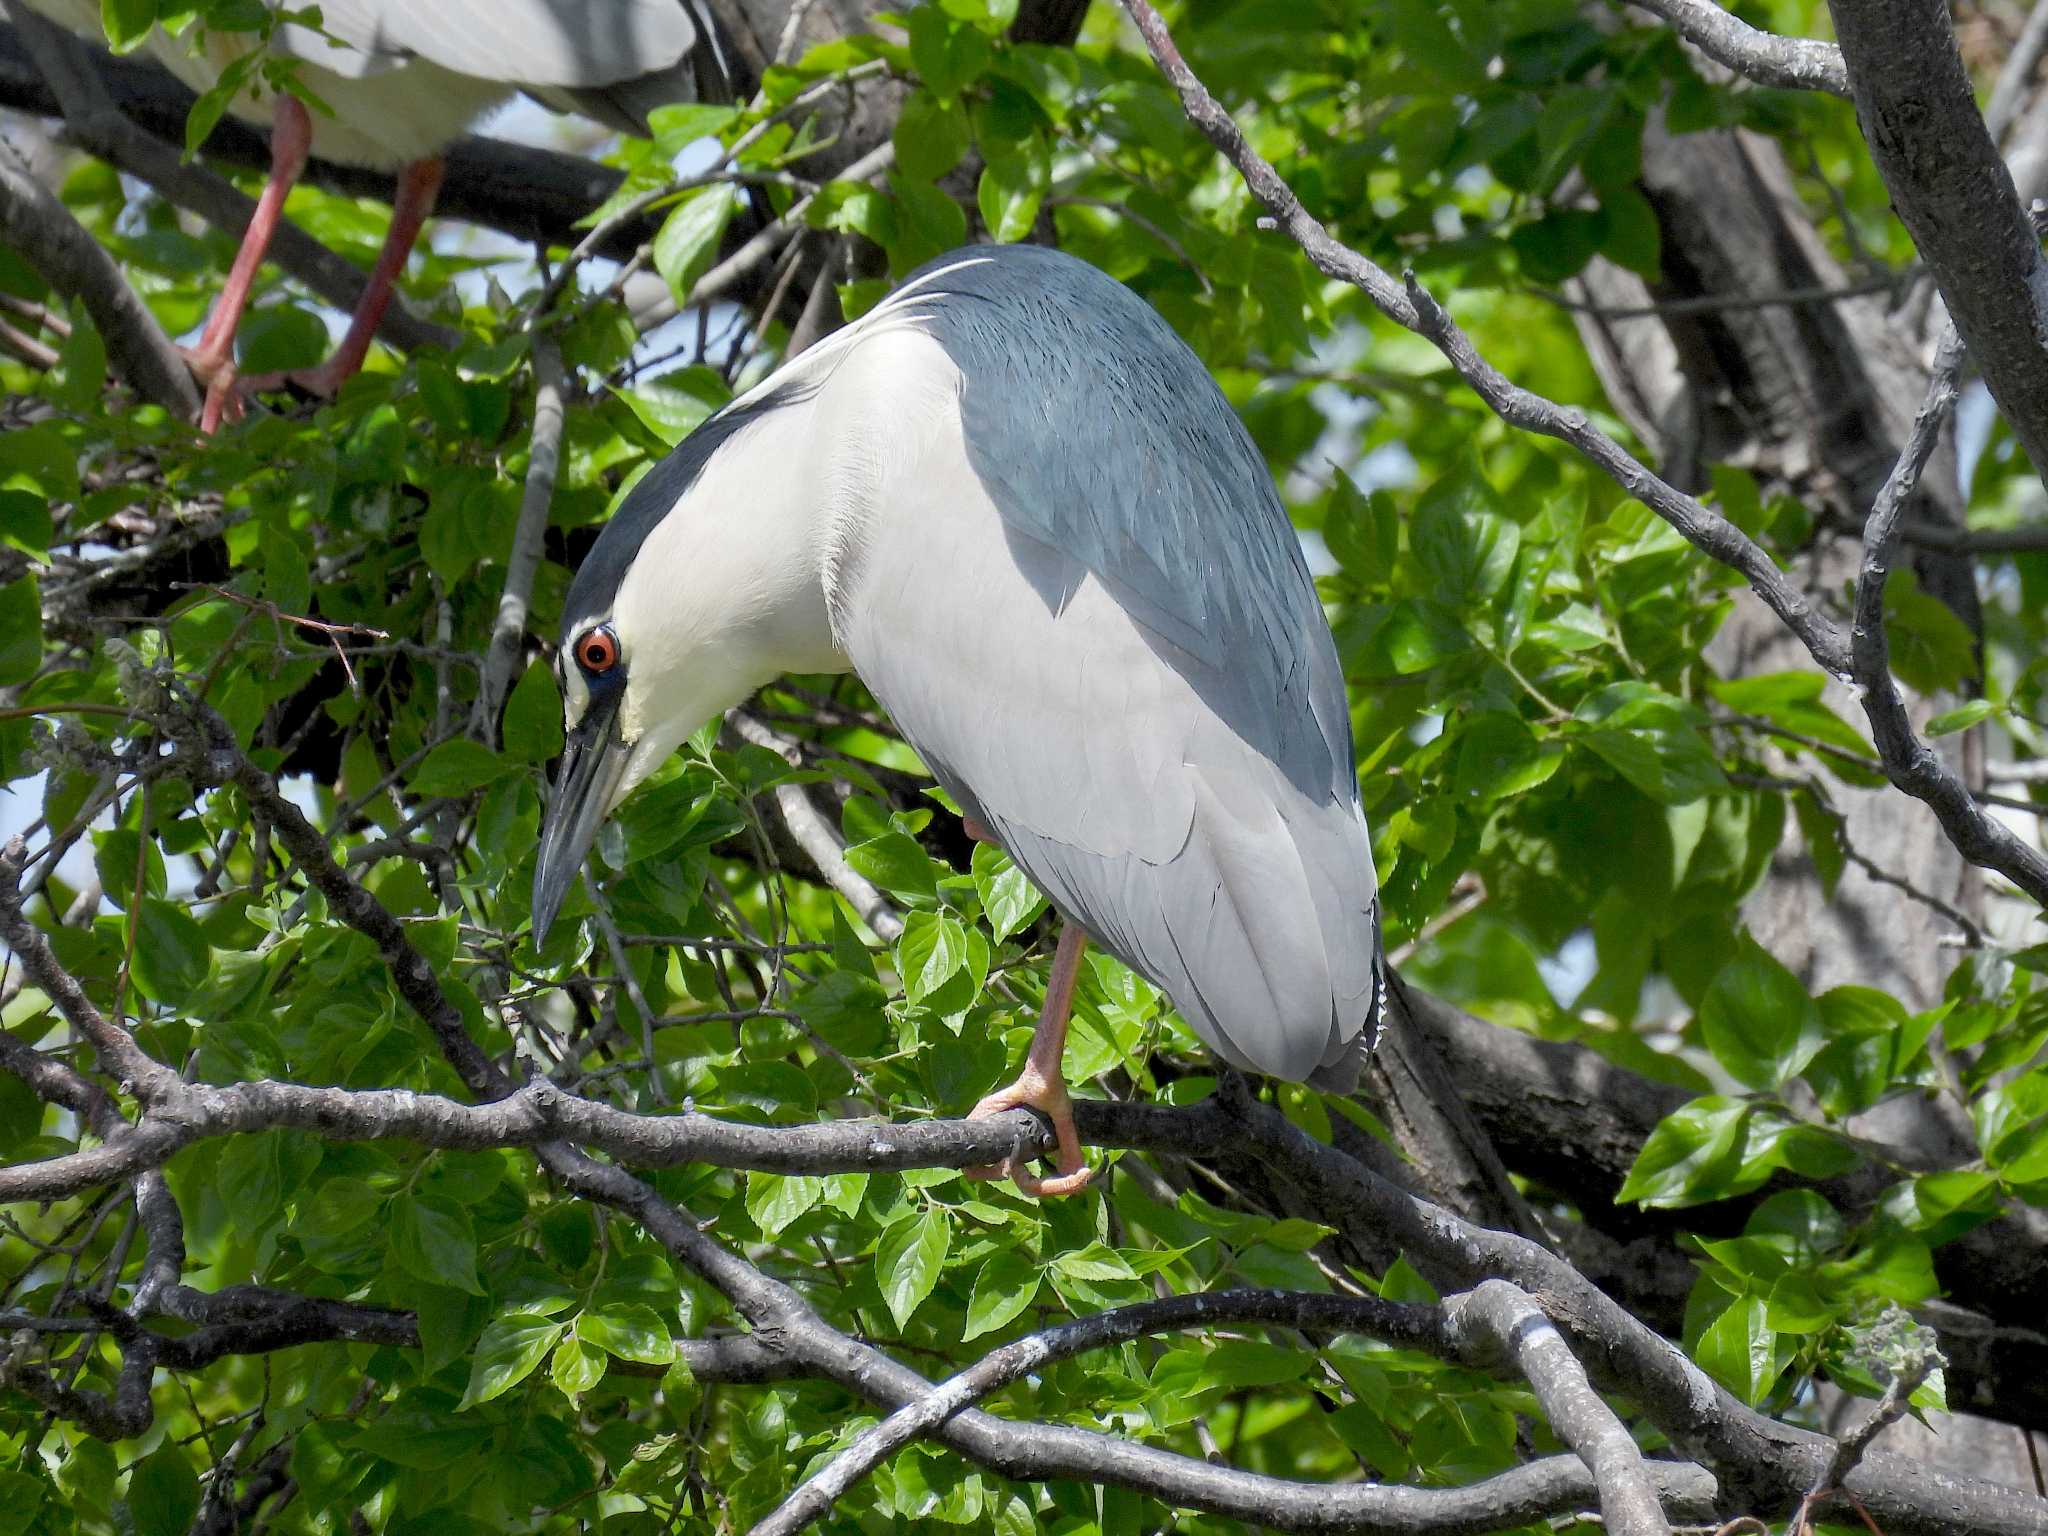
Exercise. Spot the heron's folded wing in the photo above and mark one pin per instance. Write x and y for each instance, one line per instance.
(1094, 747)
(574, 44)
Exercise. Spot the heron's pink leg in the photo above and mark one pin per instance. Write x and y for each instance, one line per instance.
(213, 360)
(418, 185)
(1041, 1085)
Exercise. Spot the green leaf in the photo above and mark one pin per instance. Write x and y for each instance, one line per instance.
(508, 1352)
(21, 631)
(845, 1191)
(163, 1493)
(930, 953)
(1652, 740)
(250, 1181)
(533, 716)
(1003, 1287)
(909, 1258)
(1465, 546)
(1008, 898)
(456, 767)
(576, 1367)
(775, 1200)
(1499, 756)
(25, 523)
(1363, 532)
(680, 124)
(897, 863)
(1759, 1021)
(931, 136)
(991, 16)
(947, 55)
(116, 854)
(1687, 1158)
(1739, 1350)
(629, 1330)
(1949, 721)
(127, 23)
(687, 241)
(21, 1500)
(432, 1241)
(1016, 171)
(171, 955)
(1931, 649)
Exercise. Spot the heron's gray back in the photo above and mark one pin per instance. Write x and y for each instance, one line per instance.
(1085, 606)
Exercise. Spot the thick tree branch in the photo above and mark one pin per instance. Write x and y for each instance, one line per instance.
(1794, 63)
(1560, 1113)
(1955, 196)
(41, 229)
(1761, 1464)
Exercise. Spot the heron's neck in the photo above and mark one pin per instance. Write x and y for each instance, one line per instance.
(726, 593)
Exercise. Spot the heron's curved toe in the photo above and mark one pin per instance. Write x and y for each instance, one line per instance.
(1048, 1095)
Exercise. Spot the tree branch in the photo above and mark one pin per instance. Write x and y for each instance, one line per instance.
(544, 454)
(778, 1315)
(1761, 1463)
(1793, 63)
(1909, 762)
(810, 831)
(1516, 1326)
(114, 1046)
(1955, 196)
(38, 226)
(1411, 1326)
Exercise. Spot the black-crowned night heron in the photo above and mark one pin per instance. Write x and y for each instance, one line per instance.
(1015, 503)
(403, 79)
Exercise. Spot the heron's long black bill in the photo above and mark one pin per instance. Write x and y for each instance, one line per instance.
(593, 762)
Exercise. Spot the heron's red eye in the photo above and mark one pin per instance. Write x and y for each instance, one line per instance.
(597, 651)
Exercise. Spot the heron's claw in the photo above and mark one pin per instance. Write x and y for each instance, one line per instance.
(215, 371)
(1048, 1095)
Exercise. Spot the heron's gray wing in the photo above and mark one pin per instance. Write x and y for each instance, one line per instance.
(1115, 765)
(574, 44)
(1098, 432)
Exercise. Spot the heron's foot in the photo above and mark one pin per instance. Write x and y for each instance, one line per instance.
(1048, 1095)
(216, 373)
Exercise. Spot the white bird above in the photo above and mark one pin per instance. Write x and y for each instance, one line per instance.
(1016, 504)
(404, 79)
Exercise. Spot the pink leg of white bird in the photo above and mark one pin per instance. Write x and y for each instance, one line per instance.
(1042, 1086)
(418, 185)
(213, 360)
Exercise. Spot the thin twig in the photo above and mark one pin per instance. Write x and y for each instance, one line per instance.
(508, 632)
